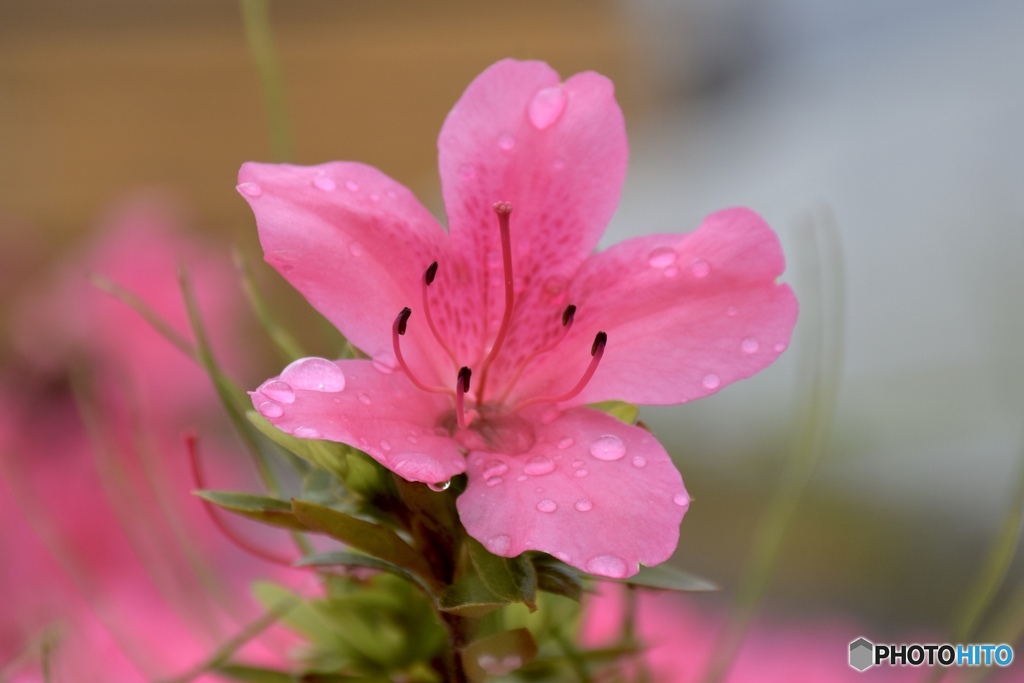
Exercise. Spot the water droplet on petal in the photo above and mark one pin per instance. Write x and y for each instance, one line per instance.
(579, 474)
(584, 505)
(577, 463)
(385, 445)
(779, 348)
(493, 481)
(493, 666)
(608, 447)
(663, 257)
(564, 557)
(364, 399)
(352, 185)
(607, 565)
(270, 409)
(566, 442)
(325, 183)
(307, 433)
(711, 381)
(538, 465)
(498, 544)
(467, 171)
(700, 268)
(356, 249)
(547, 505)
(546, 107)
(278, 390)
(443, 486)
(494, 468)
(250, 189)
(314, 374)
(412, 439)
(731, 311)
(750, 345)
(681, 499)
(522, 477)
(506, 141)
(385, 366)
(639, 461)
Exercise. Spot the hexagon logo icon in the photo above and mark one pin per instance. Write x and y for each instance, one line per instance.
(862, 654)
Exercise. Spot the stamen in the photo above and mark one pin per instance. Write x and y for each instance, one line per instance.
(596, 351)
(568, 315)
(398, 330)
(428, 278)
(461, 389)
(503, 210)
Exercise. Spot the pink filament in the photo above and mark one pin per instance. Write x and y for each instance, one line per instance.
(428, 277)
(397, 330)
(597, 351)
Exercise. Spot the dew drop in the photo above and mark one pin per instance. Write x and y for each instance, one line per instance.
(607, 565)
(750, 345)
(314, 374)
(538, 465)
(608, 447)
(662, 257)
(681, 499)
(270, 409)
(577, 463)
(779, 348)
(546, 107)
(250, 189)
(700, 268)
(412, 439)
(278, 391)
(385, 445)
(498, 544)
(584, 505)
(325, 183)
(564, 557)
(364, 399)
(493, 666)
(385, 366)
(522, 477)
(356, 249)
(640, 461)
(494, 468)
(307, 433)
(731, 311)
(506, 141)
(467, 171)
(566, 442)
(547, 505)
(352, 186)
(579, 474)
(711, 381)
(443, 486)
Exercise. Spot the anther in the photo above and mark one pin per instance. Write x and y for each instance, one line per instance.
(503, 210)
(398, 330)
(461, 389)
(568, 316)
(428, 277)
(596, 352)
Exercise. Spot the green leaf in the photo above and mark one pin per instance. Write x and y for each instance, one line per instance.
(469, 597)
(513, 579)
(499, 654)
(626, 412)
(260, 508)
(378, 541)
(252, 674)
(330, 456)
(668, 578)
(347, 559)
(554, 576)
(286, 345)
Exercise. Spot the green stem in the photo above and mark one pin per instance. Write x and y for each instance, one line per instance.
(260, 37)
(287, 347)
(820, 367)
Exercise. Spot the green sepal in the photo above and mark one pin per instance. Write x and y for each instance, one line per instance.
(511, 578)
(625, 412)
(328, 455)
(668, 578)
(499, 654)
(376, 540)
(252, 674)
(273, 511)
(554, 576)
(470, 597)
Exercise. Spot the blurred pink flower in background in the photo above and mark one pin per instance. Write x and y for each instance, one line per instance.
(104, 545)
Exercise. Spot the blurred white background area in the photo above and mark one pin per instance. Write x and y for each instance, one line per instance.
(905, 121)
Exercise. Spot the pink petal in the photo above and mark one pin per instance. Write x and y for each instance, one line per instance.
(685, 315)
(355, 243)
(594, 492)
(558, 152)
(379, 413)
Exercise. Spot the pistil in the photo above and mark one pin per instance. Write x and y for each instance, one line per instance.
(503, 210)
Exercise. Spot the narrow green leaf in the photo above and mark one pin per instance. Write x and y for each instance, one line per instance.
(513, 579)
(272, 511)
(668, 578)
(499, 654)
(288, 348)
(371, 538)
(626, 412)
(252, 674)
(469, 597)
(557, 577)
(347, 559)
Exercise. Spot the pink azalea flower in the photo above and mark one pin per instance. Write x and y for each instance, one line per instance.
(515, 324)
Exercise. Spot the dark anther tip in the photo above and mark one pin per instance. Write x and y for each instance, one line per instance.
(403, 319)
(464, 375)
(431, 272)
(599, 341)
(568, 314)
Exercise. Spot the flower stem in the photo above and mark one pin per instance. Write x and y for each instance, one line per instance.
(258, 34)
(820, 367)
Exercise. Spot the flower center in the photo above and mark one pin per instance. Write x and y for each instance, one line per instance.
(488, 411)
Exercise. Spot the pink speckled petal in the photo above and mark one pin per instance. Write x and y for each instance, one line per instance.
(379, 413)
(685, 315)
(594, 492)
(355, 243)
(557, 152)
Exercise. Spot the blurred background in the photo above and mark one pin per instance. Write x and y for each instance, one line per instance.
(897, 122)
